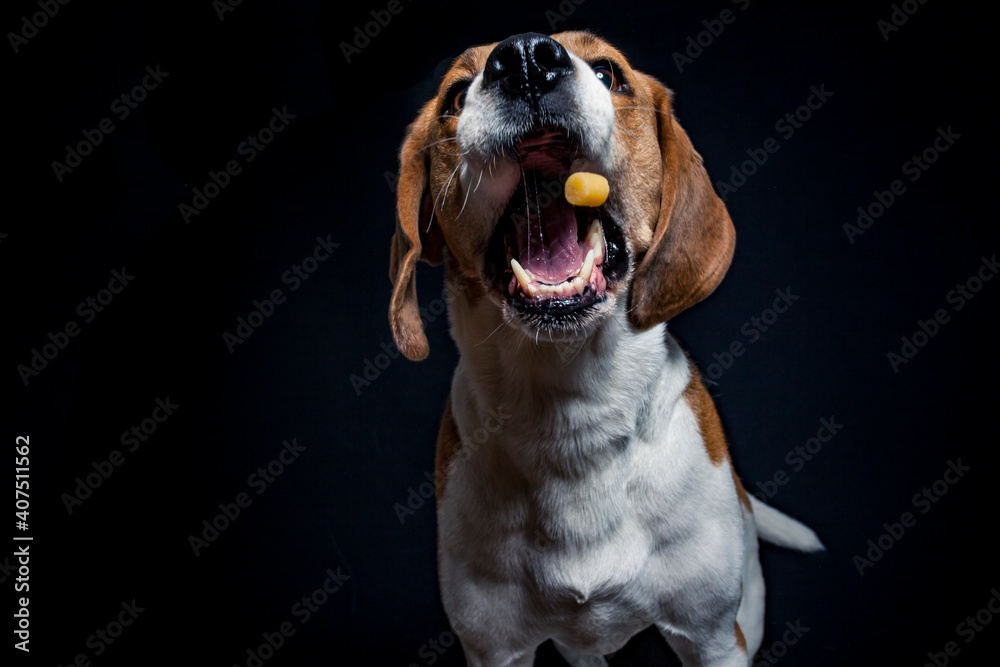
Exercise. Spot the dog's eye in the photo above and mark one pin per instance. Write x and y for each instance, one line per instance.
(606, 76)
(455, 99)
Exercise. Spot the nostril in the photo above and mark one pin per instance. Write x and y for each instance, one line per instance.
(504, 62)
(549, 54)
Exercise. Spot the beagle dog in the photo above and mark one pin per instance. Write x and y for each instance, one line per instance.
(584, 487)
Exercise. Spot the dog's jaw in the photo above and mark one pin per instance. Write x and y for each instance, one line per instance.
(514, 160)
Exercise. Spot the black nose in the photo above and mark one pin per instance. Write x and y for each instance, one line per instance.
(527, 66)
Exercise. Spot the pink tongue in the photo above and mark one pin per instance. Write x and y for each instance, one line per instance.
(547, 244)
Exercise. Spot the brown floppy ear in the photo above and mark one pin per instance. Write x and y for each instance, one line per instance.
(694, 238)
(412, 241)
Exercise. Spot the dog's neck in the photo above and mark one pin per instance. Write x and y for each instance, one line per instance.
(568, 402)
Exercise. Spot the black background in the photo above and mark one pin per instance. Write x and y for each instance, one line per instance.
(368, 446)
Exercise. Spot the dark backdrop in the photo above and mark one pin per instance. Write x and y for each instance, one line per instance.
(115, 519)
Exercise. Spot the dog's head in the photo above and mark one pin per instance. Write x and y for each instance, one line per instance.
(482, 171)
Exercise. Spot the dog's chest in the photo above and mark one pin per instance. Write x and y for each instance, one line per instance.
(594, 534)
(593, 497)
(590, 539)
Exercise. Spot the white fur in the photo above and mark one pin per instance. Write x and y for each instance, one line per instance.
(595, 511)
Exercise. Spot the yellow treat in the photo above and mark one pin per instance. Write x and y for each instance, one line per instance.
(586, 189)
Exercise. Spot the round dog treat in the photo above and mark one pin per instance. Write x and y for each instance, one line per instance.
(586, 189)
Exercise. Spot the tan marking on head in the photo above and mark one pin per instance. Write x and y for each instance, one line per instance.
(636, 182)
(590, 47)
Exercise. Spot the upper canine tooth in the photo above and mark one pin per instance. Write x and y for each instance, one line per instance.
(522, 276)
(595, 239)
(588, 267)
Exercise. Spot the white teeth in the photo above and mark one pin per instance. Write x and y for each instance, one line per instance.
(595, 239)
(574, 284)
(588, 267)
(522, 276)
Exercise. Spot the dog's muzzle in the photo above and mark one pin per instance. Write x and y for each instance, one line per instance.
(526, 67)
(552, 261)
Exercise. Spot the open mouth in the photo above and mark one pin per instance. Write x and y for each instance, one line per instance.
(551, 260)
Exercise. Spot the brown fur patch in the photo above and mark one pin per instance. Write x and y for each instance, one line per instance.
(711, 428)
(740, 639)
(694, 238)
(708, 419)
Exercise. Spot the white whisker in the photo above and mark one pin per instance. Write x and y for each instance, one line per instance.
(447, 184)
(444, 192)
(491, 334)
(527, 209)
(467, 191)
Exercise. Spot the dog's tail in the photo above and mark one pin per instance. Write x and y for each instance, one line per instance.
(780, 529)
